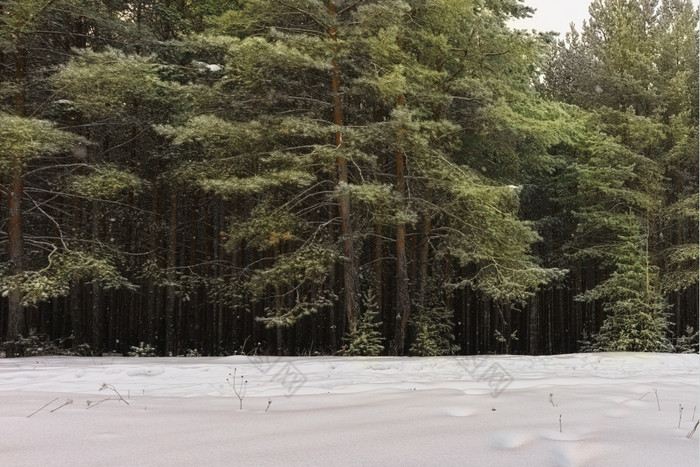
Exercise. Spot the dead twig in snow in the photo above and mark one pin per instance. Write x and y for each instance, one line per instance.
(42, 408)
(658, 404)
(112, 388)
(67, 402)
(239, 391)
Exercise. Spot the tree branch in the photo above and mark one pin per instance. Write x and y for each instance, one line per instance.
(305, 13)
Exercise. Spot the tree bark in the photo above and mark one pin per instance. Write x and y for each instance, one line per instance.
(15, 317)
(153, 290)
(424, 255)
(349, 270)
(403, 298)
(98, 318)
(170, 336)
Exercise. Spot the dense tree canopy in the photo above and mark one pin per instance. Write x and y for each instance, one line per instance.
(358, 177)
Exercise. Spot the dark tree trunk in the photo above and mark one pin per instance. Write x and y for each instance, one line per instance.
(152, 289)
(171, 298)
(349, 270)
(403, 298)
(424, 256)
(15, 317)
(97, 308)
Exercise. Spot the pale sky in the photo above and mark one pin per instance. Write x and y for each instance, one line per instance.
(555, 15)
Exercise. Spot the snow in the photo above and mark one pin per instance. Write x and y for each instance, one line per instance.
(605, 409)
(208, 66)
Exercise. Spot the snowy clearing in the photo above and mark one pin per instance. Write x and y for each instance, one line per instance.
(603, 409)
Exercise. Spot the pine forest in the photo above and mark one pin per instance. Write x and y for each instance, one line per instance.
(346, 177)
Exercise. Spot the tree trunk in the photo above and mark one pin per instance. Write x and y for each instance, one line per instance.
(424, 255)
(534, 324)
(279, 299)
(332, 283)
(15, 317)
(97, 309)
(349, 270)
(403, 298)
(170, 336)
(153, 290)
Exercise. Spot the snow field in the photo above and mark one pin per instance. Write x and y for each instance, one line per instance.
(566, 410)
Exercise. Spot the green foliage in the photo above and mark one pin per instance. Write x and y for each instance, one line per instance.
(106, 182)
(112, 83)
(305, 302)
(264, 228)
(36, 344)
(247, 120)
(217, 135)
(433, 333)
(365, 338)
(681, 268)
(62, 270)
(688, 342)
(637, 318)
(634, 325)
(23, 139)
(484, 231)
(298, 280)
(142, 350)
(505, 339)
(432, 324)
(311, 264)
(634, 67)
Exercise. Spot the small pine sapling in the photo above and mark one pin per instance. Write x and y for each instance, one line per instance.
(688, 342)
(142, 350)
(432, 324)
(365, 337)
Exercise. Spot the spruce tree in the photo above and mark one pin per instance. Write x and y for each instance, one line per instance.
(637, 315)
(365, 338)
(634, 68)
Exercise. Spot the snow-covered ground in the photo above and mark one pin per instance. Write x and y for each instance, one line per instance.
(602, 409)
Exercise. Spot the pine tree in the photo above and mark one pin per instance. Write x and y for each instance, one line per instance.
(634, 68)
(637, 318)
(432, 325)
(365, 338)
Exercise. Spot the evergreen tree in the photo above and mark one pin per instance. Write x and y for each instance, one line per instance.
(365, 338)
(200, 174)
(636, 167)
(432, 325)
(637, 319)
(35, 37)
